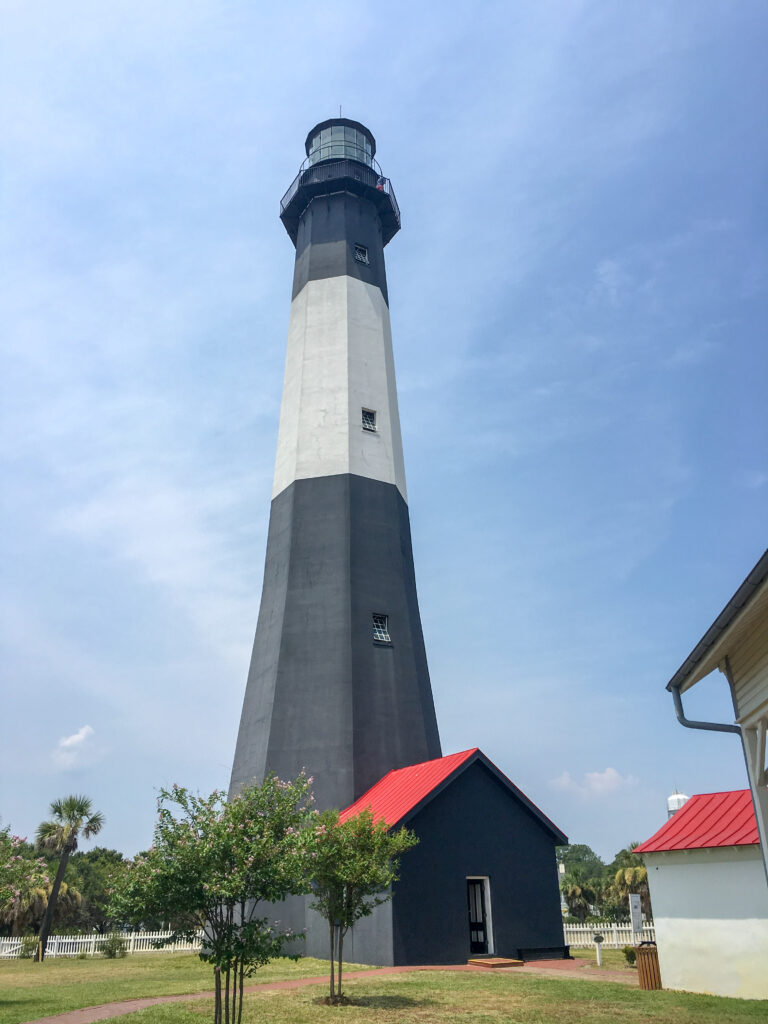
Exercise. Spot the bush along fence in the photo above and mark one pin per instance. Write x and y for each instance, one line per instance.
(92, 945)
(615, 936)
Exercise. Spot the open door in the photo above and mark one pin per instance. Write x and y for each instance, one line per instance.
(478, 916)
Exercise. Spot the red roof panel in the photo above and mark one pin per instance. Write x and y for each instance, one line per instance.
(707, 820)
(400, 790)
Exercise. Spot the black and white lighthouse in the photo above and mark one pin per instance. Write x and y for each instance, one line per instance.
(338, 682)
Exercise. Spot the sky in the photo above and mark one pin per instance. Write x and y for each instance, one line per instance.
(578, 302)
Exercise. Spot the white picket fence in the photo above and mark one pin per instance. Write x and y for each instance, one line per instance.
(75, 945)
(582, 936)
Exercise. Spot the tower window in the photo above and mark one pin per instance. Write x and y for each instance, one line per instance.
(361, 254)
(381, 628)
(369, 419)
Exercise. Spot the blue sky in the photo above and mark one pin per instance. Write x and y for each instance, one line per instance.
(578, 300)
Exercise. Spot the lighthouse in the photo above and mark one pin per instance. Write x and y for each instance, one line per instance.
(338, 681)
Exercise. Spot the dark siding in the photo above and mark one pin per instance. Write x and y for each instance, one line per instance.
(328, 231)
(475, 827)
(320, 694)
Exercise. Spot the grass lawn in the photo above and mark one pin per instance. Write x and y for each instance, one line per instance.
(29, 990)
(612, 958)
(492, 998)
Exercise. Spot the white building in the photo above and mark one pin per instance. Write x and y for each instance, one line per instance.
(737, 645)
(710, 901)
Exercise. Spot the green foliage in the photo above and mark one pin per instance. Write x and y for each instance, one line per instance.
(589, 884)
(629, 955)
(27, 947)
(628, 874)
(71, 817)
(579, 891)
(113, 947)
(94, 873)
(211, 863)
(355, 864)
(20, 875)
(578, 855)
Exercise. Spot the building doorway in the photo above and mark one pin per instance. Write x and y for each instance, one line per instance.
(479, 907)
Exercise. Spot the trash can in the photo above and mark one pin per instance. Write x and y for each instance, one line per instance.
(648, 972)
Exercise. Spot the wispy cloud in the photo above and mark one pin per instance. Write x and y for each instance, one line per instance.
(594, 785)
(76, 750)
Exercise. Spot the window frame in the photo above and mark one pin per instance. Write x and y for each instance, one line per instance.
(373, 427)
(382, 627)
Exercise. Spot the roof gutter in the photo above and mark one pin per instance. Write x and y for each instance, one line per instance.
(690, 724)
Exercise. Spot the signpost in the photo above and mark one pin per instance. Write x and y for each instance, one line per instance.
(599, 940)
(636, 914)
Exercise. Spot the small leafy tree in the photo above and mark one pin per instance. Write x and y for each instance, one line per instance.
(94, 873)
(70, 817)
(356, 863)
(211, 863)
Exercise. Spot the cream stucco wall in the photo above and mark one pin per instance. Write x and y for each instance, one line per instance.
(710, 908)
(339, 361)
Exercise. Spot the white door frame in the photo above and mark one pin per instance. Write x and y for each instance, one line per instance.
(488, 912)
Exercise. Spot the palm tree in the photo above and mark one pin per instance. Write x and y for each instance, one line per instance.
(579, 891)
(70, 817)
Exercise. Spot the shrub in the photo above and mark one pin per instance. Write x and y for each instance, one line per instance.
(27, 947)
(113, 946)
(629, 955)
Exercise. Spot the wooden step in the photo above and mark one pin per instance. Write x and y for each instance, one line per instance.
(494, 961)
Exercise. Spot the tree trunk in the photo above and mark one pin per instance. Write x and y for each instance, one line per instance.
(226, 995)
(233, 1012)
(333, 960)
(217, 996)
(341, 945)
(45, 927)
(240, 1004)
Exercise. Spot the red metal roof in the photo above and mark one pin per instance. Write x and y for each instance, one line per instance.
(707, 820)
(400, 790)
(404, 789)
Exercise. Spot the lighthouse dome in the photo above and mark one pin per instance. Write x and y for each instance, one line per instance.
(340, 139)
(675, 802)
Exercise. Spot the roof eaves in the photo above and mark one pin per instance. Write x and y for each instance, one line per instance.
(560, 837)
(724, 620)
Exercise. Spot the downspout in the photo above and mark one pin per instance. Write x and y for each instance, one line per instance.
(689, 724)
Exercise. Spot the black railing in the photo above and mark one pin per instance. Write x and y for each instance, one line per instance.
(327, 170)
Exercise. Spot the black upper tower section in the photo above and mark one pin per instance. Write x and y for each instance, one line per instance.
(340, 159)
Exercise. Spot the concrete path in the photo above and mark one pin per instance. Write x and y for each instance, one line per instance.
(551, 968)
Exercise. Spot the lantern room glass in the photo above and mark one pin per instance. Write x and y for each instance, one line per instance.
(340, 142)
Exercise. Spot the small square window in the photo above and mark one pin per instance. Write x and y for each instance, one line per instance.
(369, 419)
(381, 629)
(361, 254)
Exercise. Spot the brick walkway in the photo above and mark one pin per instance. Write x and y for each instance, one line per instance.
(550, 968)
